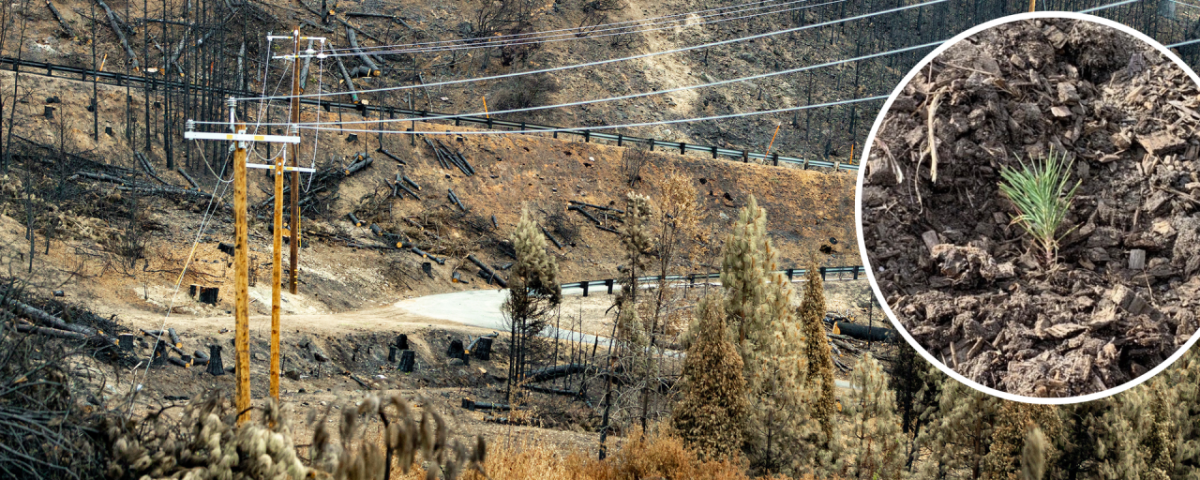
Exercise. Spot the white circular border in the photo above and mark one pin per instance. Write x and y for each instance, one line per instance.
(862, 247)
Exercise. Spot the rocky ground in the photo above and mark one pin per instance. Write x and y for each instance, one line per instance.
(961, 275)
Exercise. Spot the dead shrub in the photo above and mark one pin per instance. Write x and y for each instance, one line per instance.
(525, 92)
(632, 162)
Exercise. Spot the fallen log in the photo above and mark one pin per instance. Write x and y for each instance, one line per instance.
(52, 321)
(357, 166)
(115, 23)
(367, 14)
(157, 335)
(424, 254)
(585, 213)
(465, 163)
(347, 79)
(52, 332)
(598, 207)
(372, 69)
(165, 191)
(551, 373)
(410, 182)
(359, 381)
(454, 198)
(393, 157)
(187, 177)
(400, 186)
(436, 151)
(473, 405)
(304, 69)
(316, 25)
(491, 273)
(354, 219)
(552, 391)
(100, 176)
(57, 16)
(552, 239)
(863, 332)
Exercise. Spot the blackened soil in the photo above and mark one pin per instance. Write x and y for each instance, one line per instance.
(963, 279)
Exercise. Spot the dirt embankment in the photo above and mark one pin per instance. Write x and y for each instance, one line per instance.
(809, 212)
(961, 274)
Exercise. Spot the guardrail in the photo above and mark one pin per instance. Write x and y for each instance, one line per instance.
(791, 273)
(774, 159)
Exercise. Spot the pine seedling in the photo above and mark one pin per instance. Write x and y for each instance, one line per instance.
(1042, 197)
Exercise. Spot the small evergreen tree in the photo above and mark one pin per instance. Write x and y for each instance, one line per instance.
(818, 353)
(1184, 377)
(1009, 444)
(758, 306)
(710, 416)
(877, 443)
(532, 292)
(961, 437)
(628, 328)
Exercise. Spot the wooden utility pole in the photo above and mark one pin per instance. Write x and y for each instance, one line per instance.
(241, 312)
(277, 271)
(294, 237)
(241, 256)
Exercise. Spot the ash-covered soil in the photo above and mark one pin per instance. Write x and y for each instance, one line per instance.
(963, 279)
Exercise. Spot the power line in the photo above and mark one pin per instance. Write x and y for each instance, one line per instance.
(618, 98)
(578, 34)
(623, 59)
(612, 127)
(538, 33)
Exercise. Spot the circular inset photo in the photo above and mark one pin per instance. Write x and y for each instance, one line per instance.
(1030, 207)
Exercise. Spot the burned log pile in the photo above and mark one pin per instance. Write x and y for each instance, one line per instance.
(450, 159)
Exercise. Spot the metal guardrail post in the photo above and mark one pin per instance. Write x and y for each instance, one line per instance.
(822, 273)
(856, 273)
(682, 148)
(714, 152)
(789, 274)
(609, 283)
(620, 139)
(585, 287)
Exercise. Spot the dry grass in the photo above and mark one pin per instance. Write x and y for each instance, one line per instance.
(640, 457)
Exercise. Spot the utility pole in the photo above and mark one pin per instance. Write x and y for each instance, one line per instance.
(241, 256)
(277, 271)
(294, 239)
(241, 259)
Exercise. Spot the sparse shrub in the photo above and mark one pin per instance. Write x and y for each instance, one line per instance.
(633, 159)
(44, 426)
(524, 92)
